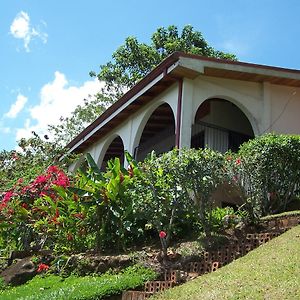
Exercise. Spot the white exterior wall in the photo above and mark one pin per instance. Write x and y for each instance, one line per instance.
(285, 109)
(267, 107)
(130, 130)
(247, 96)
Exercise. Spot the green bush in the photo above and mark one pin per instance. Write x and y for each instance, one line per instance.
(80, 288)
(174, 190)
(267, 171)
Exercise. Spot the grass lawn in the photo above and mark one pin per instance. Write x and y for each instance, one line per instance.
(271, 271)
(89, 287)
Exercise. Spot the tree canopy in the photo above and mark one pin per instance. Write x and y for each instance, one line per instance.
(133, 60)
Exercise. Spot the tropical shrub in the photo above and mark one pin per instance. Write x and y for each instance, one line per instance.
(110, 212)
(25, 207)
(203, 172)
(174, 190)
(267, 171)
(159, 197)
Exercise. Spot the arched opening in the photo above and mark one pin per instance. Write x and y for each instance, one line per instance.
(158, 133)
(115, 149)
(220, 125)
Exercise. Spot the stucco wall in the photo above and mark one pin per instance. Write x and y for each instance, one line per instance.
(267, 107)
(247, 96)
(285, 109)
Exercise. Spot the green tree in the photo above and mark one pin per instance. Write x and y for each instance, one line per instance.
(133, 60)
(81, 117)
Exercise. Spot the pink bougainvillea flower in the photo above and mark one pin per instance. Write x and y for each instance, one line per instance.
(2, 205)
(162, 234)
(53, 169)
(20, 180)
(41, 179)
(42, 267)
(7, 196)
(62, 180)
(43, 193)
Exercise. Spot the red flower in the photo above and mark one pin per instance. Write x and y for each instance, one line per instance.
(53, 169)
(62, 180)
(162, 234)
(7, 196)
(130, 171)
(228, 158)
(42, 267)
(238, 161)
(20, 180)
(69, 236)
(79, 216)
(121, 177)
(43, 193)
(24, 205)
(41, 179)
(54, 221)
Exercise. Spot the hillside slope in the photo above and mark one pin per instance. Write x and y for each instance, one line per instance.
(272, 271)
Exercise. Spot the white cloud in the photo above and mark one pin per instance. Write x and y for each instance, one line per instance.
(16, 107)
(21, 29)
(57, 99)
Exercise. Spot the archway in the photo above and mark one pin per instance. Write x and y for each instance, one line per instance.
(115, 149)
(158, 133)
(221, 125)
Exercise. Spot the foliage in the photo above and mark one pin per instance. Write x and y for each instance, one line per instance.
(80, 288)
(81, 117)
(158, 195)
(222, 218)
(267, 170)
(30, 213)
(110, 211)
(133, 60)
(33, 156)
(268, 272)
(174, 190)
(3, 285)
(202, 173)
(170, 193)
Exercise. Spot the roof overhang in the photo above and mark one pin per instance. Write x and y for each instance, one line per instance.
(176, 66)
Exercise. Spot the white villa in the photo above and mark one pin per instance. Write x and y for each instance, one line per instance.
(194, 101)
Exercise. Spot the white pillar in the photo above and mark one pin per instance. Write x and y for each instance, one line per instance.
(186, 114)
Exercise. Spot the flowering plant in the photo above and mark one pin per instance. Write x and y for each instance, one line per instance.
(42, 267)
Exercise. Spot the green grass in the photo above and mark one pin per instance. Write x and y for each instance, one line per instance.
(284, 214)
(272, 271)
(89, 287)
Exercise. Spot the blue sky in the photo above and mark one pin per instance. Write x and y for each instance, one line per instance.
(47, 48)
